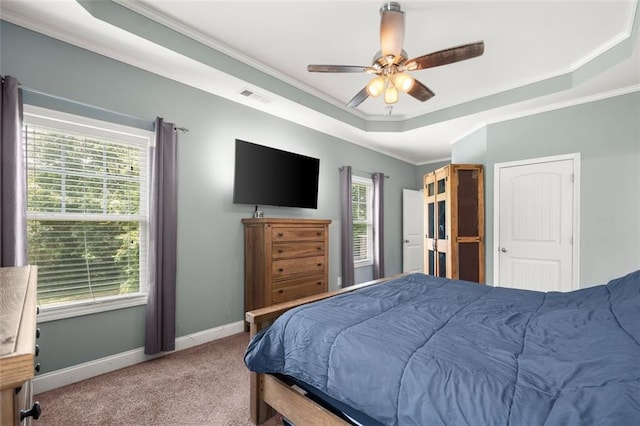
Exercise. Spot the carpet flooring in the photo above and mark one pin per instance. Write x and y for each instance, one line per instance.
(203, 385)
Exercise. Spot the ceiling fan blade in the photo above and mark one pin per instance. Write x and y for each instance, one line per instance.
(359, 98)
(420, 91)
(446, 56)
(339, 68)
(391, 30)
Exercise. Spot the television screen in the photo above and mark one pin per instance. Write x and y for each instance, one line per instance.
(269, 176)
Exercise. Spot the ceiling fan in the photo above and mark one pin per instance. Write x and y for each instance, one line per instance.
(390, 64)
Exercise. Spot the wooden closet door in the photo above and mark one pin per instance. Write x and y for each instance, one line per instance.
(430, 223)
(438, 226)
(467, 220)
(443, 222)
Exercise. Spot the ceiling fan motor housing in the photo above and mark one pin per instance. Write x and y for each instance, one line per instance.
(378, 59)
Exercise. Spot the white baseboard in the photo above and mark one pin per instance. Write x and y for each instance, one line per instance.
(86, 370)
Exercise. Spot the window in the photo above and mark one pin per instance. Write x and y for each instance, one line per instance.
(362, 204)
(87, 212)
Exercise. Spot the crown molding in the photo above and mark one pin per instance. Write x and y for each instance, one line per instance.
(548, 108)
(147, 11)
(78, 41)
(610, 44)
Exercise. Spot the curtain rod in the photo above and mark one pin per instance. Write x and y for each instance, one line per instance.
(61, 98)
(361, 171)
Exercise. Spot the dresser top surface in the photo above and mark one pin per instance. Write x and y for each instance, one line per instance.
(284, 221)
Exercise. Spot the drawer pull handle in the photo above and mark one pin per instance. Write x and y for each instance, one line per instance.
(37, 333)
(34, 412)
(318, 248)
(319, 265)
(319, 283)
(280, 234)
(280, 270)
(37, 350)
(37, 368)
(280, 291)
(318, 233)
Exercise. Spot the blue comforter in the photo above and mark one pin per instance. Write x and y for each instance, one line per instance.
(428, 351)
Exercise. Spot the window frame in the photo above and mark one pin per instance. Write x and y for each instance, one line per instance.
(74, 124)
(368, 182)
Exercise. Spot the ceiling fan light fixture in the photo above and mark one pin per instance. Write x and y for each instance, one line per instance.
(403, 82)
(390, 95)
(376, 87)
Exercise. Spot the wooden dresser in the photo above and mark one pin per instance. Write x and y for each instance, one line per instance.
(284, 259)
(17, 344)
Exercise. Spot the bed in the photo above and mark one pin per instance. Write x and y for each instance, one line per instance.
(420, 350)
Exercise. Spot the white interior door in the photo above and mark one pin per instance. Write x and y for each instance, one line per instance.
(412, 230)
(536, 224)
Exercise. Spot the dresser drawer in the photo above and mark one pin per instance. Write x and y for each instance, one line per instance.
(295, 289)
(297, 234)
(289, 250)
(287, 268)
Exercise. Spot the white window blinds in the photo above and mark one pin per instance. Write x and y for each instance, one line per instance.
(361, 192)
(87, 212)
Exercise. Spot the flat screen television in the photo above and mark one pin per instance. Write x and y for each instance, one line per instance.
(269, 176)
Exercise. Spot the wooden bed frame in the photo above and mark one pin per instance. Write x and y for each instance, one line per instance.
(269, 394)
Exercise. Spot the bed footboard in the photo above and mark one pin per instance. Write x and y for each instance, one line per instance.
(268, 394)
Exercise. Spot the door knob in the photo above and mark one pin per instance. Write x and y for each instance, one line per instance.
(504, 250)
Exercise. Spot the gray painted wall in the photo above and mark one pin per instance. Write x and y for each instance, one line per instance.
(472, 149)
(427, 168)
(210, 235)
(607, 135)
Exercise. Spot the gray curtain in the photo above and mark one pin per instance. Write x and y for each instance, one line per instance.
(161, 304)
(346, 228)
(13, 182)
(378, 225)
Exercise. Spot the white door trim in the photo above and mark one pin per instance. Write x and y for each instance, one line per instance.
(576, 211)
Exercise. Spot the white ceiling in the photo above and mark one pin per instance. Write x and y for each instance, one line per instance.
(539, 55)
